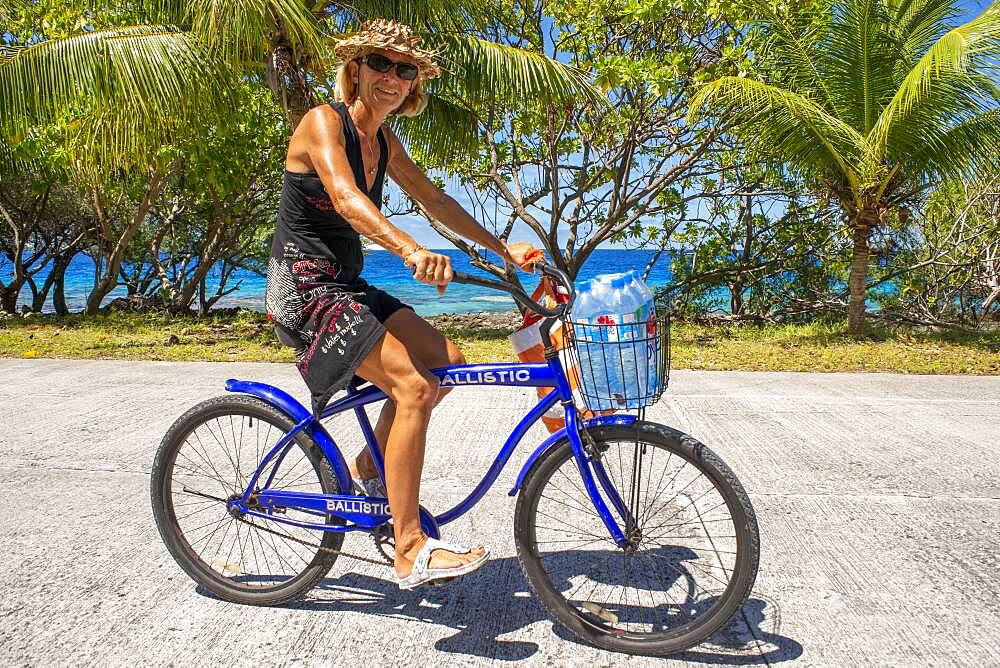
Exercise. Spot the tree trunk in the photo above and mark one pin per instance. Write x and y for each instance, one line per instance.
(96, 296)
(287, 80)
(203, 305)
(39, 295)
(207, 302)
(9, 292)
(167, 287)
(989, 302)
(8, 297)
(59, 283)
(736, 298)
(50, 281)
(109, 280)
(859, 271)
(208, 256)
(992, 280)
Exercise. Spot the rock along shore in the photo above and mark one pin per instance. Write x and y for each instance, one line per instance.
(506, 321)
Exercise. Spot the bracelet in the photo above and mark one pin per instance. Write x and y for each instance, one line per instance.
(411, 251)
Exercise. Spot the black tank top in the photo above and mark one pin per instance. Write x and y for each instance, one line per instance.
(310, 227)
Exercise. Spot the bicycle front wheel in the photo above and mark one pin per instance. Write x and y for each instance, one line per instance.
(208, 457)
(693, 554)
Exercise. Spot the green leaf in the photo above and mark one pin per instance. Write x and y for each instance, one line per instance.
(140, 85)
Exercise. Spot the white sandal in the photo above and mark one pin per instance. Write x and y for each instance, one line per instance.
(421, 574)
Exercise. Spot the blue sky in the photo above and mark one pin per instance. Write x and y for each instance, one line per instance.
(970, 9)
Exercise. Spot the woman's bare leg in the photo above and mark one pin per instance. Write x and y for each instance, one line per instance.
(363, 467)
(414, 390)
(429, 346)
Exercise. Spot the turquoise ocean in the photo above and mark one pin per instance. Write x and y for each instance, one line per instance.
(387, 271)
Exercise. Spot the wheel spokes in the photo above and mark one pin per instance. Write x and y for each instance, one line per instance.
(682, 554)
(212, 465)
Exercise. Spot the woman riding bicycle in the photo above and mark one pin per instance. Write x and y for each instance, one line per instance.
(336, 163)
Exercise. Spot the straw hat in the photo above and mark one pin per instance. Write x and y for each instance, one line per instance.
(391, 35)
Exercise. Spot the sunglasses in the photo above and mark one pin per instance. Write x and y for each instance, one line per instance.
(380, 63)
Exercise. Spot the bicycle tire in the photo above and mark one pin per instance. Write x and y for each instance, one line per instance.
(602, 626)
(239, 586)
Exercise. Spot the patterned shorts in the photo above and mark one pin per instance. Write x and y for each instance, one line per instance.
(337, 324)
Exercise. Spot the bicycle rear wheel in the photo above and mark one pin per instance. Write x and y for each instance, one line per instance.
(207, 457)
(694, 554)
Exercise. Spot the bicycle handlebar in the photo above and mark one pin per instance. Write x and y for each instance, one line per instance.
(519, 295)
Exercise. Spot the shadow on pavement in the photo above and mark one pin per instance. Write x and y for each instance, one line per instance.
(496, 601)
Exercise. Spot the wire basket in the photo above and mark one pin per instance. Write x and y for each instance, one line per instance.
(618, 366)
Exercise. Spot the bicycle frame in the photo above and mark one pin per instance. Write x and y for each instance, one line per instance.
(362, 513)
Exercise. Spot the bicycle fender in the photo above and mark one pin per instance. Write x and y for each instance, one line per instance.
(287, 404)
(599, 421)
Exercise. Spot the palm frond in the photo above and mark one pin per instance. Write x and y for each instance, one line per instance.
(861, 61)
(242, 31)
(477, 70)
(440, 16)
(783, 123)
(918, 24)
(961, 150)
(957, 53)
(174, 12)
(955, 98)
(800, 51)
(444, 131)
(146, 81)
(139, 67)
(9, 161)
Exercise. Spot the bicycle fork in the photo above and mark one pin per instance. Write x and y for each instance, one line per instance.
(593, 473)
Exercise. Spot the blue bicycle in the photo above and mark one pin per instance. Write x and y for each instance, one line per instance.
(633, 535)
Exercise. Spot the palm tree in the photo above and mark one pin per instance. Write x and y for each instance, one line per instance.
(872, 102)
(136, 84)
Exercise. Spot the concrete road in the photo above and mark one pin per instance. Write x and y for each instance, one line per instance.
(878, 498)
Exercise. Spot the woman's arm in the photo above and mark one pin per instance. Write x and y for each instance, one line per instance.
(439, 204)
(323, 141)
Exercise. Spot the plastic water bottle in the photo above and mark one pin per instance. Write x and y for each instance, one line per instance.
(591, 343)
(641, 380)
(634, 358)
(617, 362)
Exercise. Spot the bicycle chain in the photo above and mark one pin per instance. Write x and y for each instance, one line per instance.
(329, 550)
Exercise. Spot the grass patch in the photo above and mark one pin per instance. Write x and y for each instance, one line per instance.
(247, 336)
(822, 346)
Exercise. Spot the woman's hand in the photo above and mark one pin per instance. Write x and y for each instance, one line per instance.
(523, 255)
(430, 268)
